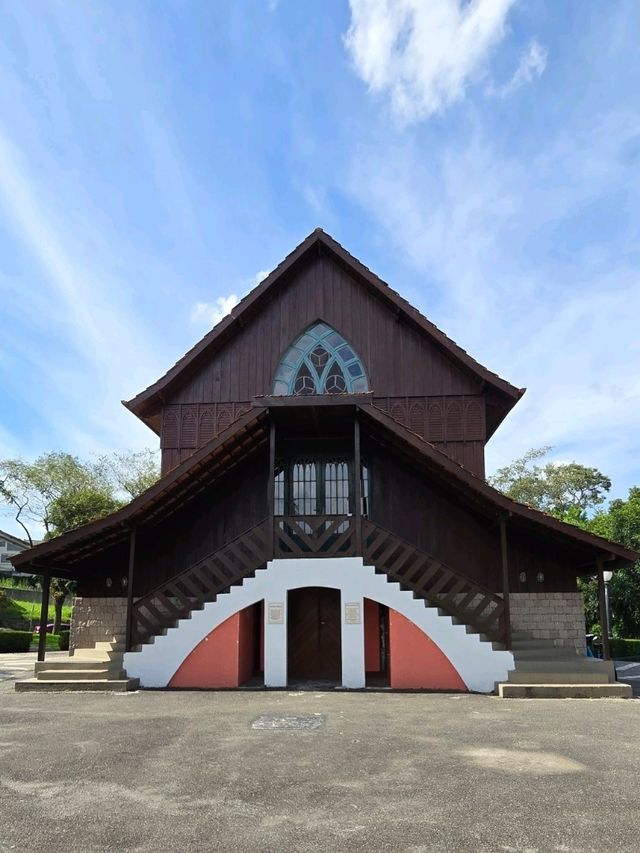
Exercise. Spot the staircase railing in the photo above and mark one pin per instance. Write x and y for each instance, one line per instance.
(430, 579)
(200, 583)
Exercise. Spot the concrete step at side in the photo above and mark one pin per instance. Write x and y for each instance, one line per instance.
(564, 691)
(545, 677)
(92, 654)
(83, 663)
(547, 653)
(115, 646)
(577, 665)
(81, 674)
(533, 644)
(98, 685)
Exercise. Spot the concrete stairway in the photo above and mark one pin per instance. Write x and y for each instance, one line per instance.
(545, 671)
(96, 669)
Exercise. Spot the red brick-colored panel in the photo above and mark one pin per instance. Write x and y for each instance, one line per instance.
(416, 662)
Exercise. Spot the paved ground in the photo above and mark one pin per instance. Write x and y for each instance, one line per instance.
(189, 771)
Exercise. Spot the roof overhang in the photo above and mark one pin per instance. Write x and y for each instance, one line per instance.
(492, 502)
(174, 490)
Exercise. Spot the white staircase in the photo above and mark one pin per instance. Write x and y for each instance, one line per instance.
(546, 671)
(98, 669)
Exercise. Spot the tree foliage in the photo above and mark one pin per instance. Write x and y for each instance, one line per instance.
(575, 493)
(58, 492)
(567, 490)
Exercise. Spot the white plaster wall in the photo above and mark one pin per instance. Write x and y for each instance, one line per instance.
(478, 664)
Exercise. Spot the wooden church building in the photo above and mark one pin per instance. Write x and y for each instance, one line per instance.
(323, 516)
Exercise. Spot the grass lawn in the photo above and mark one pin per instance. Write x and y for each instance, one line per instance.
(52, 643)
(29, 610)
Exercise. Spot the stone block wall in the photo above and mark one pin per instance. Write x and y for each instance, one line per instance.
(557, 616)
(96, 620)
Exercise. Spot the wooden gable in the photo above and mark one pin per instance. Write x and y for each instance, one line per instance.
(414, 371)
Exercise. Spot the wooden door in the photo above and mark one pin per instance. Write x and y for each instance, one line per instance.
(313, 635)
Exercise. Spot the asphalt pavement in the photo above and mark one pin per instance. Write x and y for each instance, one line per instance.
(316, 771)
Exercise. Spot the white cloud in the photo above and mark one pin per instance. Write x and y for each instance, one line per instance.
(78, 345)
(423, 54)
(531, 66)
(484, 230)
(210, 313)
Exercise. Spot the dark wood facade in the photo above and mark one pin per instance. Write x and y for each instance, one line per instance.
(414, 502)
(409, 375)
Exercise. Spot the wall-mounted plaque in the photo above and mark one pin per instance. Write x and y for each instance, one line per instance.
(352, 614)
(275, 614)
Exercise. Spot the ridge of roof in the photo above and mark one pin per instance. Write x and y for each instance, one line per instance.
(318, 237)
(492, 494)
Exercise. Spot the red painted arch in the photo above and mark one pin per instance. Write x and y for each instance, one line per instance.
(415, 661)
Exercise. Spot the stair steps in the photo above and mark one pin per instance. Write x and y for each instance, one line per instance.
(546, 671)
(564, 691)
(97, 669)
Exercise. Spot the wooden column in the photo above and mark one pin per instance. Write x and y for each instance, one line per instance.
(271, 488)
(505, 581)
(132, 562)
(44, 615)
(357, 491)
(604, 616)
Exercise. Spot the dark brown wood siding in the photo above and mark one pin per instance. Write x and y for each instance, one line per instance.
(216, 516)
(399, 361)
(407, 502)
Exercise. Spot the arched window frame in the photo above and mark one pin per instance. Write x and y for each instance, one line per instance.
(299, 356)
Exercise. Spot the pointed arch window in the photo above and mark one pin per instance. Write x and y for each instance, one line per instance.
(320, 361)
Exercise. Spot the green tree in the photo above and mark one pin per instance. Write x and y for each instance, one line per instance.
(575, 494)
(621, 523)
(567, 490)
(58, 492)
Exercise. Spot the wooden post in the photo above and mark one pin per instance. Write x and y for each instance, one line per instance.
(44, 615)
(132, 561)
(505, 582)
(357, 492)
(271, 485)
(604, 616)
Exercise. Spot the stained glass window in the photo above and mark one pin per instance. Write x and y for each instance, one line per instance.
(320, 361)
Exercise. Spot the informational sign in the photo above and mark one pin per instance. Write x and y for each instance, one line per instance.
(275, 614)
(352, 614)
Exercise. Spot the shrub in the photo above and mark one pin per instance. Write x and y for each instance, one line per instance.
(624, 648)
(15, 641)
(63, 641)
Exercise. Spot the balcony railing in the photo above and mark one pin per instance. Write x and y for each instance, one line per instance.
(320, 535)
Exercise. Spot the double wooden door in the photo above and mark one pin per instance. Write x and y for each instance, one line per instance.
(313, 617)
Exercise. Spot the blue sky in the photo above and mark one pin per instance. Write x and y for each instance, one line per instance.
(482, 157)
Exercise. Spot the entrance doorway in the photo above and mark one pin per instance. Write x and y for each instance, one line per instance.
(313, 641)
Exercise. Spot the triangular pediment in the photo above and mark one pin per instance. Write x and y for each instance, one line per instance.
(147, 404)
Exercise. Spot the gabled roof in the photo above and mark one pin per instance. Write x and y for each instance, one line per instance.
(147, 403)
(251, 431)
